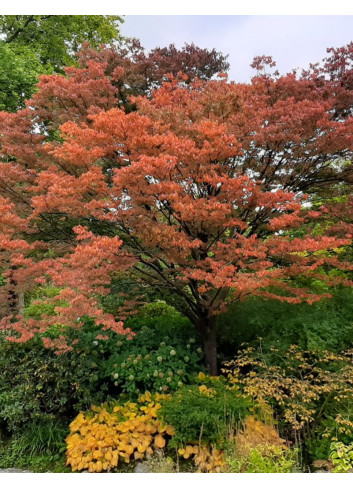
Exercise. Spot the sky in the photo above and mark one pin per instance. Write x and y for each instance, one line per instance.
(293, 41)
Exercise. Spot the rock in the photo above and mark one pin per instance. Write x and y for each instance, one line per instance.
(322, 466)
(140, 468)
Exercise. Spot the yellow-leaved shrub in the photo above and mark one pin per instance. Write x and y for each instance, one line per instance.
(207, 458)
(106, 435)
(256, 433)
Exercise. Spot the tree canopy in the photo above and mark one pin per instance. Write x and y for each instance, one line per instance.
(56, 38)
(203, 188)
(31, 45)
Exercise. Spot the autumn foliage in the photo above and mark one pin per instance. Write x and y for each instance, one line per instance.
(299, 387)
(108, 435)
(198, 188)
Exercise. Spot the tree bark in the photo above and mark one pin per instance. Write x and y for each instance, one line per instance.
(16, 299)
(21, 303)
(209, 333)
(12, 295)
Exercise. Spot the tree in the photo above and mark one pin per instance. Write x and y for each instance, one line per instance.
(56, 38)
(196, 192)
(19, 70)
(131, 71)
(31, 45)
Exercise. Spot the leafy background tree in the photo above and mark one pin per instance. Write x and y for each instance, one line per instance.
(35, 44)
(49, 43)
(19, 70)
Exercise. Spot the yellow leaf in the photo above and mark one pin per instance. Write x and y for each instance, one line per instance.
(134, 442)
(159, 441)
(170, 430)
(141, 448)
(151, 429)
(129, 449)
(141, 427)
(115, 458)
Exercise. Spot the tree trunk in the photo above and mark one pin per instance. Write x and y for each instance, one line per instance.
(15, 297)
(21, 303)
(12, 295)
(209, 333)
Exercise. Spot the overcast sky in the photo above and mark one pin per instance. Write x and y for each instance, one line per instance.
(293, 41)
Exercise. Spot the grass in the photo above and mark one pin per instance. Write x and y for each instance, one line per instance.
(39, 448)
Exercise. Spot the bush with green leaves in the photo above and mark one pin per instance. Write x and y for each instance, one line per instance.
(164, 323)
(37, 384)
(43, 462)
(265, 459)
(327, 324)
(161, 356)
(334, 424)
(208, 412)
(342, 457)
(139, 366)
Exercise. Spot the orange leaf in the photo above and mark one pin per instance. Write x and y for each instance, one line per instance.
(159, 441)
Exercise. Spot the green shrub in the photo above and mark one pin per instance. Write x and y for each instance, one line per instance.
(164, 324)
(264, 460)
(137, 368)
(162, 355)
(208, 412)
(47, 462)
(342, 457)
(37, 384)
(327, 324)
(334, 424)
(317, 446)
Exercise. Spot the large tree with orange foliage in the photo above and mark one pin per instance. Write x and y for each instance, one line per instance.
(196, 192)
